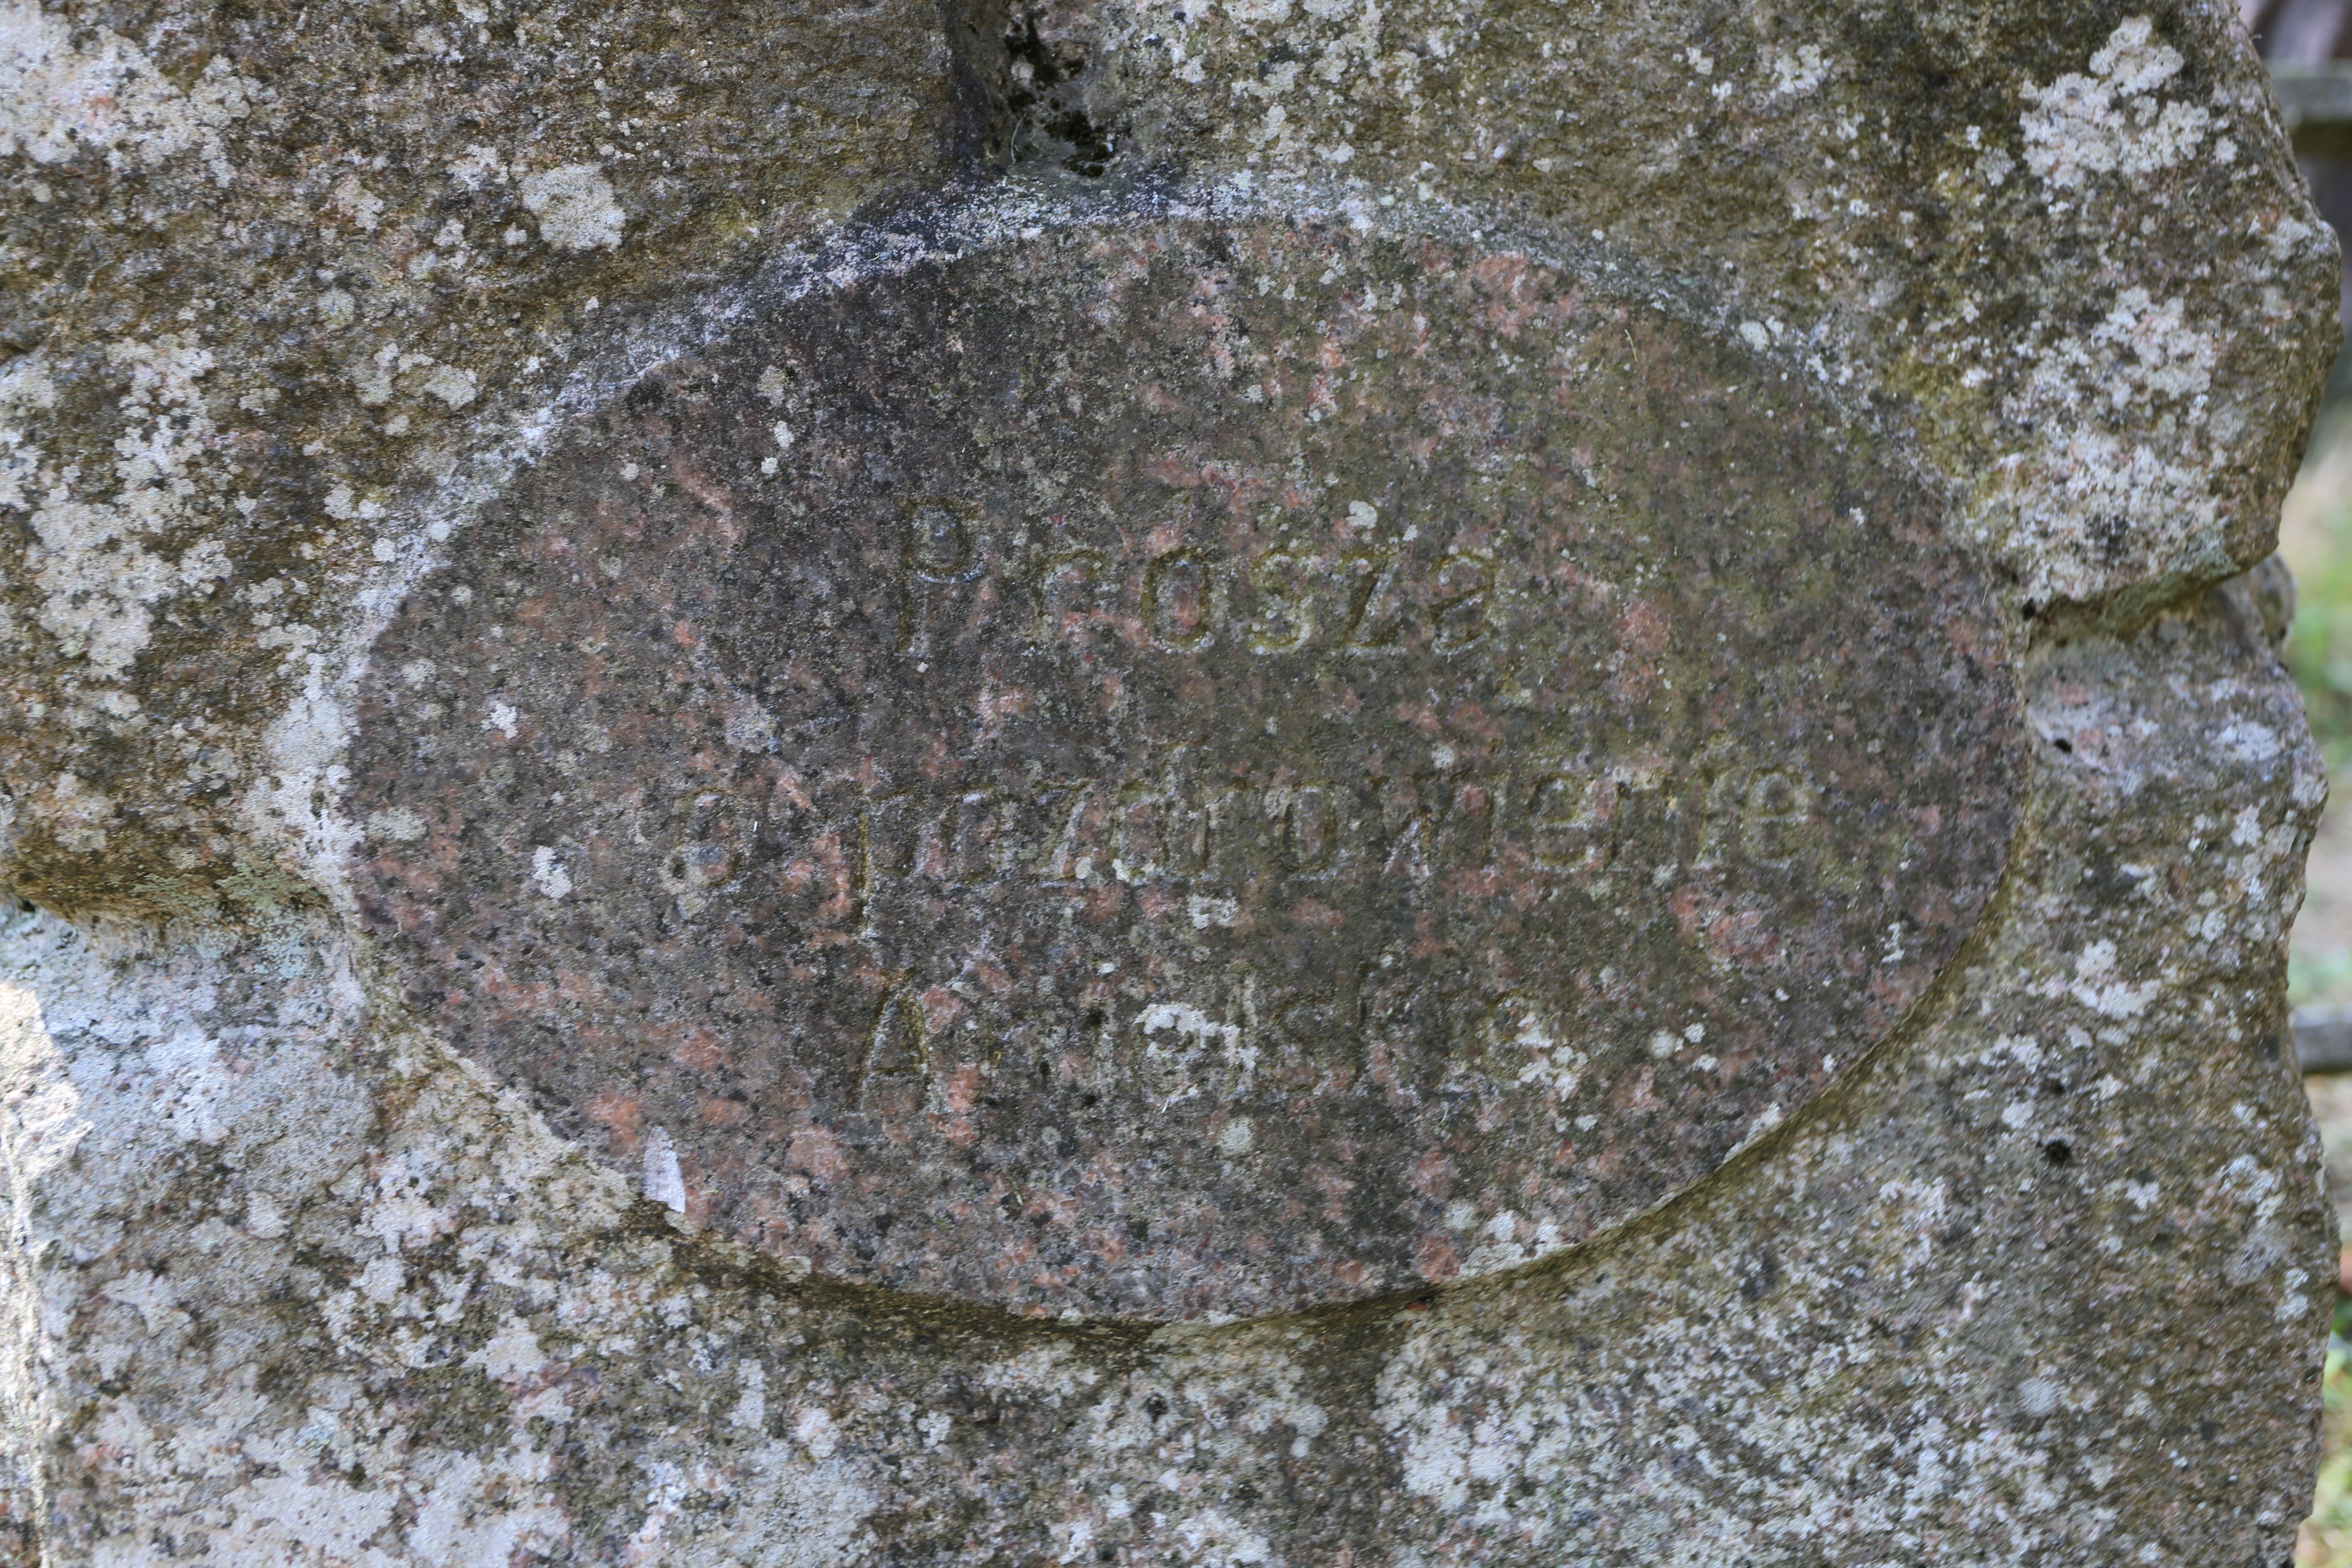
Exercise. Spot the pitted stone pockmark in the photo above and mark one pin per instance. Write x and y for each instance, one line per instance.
(1345, 763)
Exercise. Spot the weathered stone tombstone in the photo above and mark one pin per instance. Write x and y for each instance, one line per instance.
(1230, 785)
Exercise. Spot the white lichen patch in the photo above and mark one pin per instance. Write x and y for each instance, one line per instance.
(549, 876)
(1207, 1402)
(434, 1242)
(1796, 71)
(478, 166)
(363, 206)
(2121, 466)
(1507, 1240)
(2112, 121)
(293, 801)
(452, 385)
(2144, 353)
(102, 94)
(91, 559)
(1518, 1030)
(2099, 987)
(575, 206)
(26, 391)
(396, 824)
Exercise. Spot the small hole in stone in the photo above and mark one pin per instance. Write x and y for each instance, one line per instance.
(1155, 1407)
(2058, 1152)
(2064, 745)
(1050, 122)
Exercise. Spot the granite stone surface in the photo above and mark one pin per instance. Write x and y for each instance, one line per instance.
(1223, 783)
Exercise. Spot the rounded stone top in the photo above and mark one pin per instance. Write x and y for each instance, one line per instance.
(1188, 768)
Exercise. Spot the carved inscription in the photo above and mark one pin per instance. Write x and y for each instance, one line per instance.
(1220, 843)
(1277, 798)
(1189, 598)
(1218, 838)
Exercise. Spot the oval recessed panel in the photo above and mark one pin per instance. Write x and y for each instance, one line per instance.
(1191, 770)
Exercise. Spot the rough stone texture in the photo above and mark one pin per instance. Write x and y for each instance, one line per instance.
(1244, 784)
(1074, 829)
